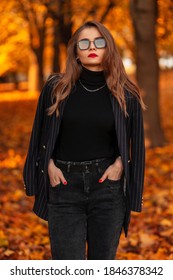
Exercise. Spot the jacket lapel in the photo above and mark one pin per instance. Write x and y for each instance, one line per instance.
(53, 126)
(120, 128)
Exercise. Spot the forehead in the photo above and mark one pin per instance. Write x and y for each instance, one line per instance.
(89, 33)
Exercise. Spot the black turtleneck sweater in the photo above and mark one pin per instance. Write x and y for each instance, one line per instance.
(87, 129)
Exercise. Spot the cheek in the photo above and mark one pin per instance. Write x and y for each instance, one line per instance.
(102, 53)
(79, 52)
(82, 56)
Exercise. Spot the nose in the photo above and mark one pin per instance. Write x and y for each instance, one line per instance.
(92, 46)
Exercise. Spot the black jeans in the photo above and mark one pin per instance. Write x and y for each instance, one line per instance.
(85, 211)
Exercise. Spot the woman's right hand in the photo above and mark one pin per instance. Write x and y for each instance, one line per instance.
(55, 174)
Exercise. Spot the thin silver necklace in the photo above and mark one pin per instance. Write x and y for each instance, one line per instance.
(91, 90)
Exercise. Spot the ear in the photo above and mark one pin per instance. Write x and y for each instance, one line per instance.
(78, 59)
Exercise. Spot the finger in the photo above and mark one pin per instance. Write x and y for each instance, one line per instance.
(54, 182)
(61, 177)
(104, 176)
(63, 180)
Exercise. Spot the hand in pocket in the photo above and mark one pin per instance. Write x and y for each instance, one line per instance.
(55, 174)
(114, 171)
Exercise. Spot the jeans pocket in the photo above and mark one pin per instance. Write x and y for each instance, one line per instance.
(101, 172)
(56, 186)
(113, 184)
(60, 184)
(116, 181)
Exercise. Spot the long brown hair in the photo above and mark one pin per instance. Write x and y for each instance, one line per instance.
(115, 74)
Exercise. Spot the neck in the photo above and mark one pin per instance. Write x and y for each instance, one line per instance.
(90, 77)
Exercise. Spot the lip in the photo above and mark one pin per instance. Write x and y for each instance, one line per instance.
(92, 55)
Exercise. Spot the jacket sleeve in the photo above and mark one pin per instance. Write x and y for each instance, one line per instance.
(137, 157)
(31, 162)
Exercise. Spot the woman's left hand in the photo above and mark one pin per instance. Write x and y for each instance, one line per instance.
(114, 171)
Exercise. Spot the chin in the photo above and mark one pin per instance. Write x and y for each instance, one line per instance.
(92, 65)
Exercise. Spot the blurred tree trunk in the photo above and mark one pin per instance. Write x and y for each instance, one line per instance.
(33, 73)
(144, 16)
(56, 47)
(61, 14)
(63, 31)
(37, 32)
(65, 21)
(39, 54)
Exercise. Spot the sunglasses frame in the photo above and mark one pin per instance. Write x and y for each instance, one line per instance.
(91, 42)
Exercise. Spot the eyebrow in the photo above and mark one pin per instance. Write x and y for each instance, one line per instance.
(89, 39)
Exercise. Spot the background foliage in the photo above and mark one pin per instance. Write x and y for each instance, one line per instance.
(34, 36)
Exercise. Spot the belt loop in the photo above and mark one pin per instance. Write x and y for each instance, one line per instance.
(86, 168)
(68, 166)
(97, 165)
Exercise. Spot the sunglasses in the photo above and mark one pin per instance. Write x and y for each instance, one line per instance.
(99, 43)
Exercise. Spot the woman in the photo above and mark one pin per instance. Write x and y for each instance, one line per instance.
(85, 163)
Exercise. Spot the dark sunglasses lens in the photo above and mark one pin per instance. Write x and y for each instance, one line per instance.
(100, 43)
(83, 44)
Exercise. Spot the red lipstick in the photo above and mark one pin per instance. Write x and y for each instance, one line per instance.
(92, 55)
